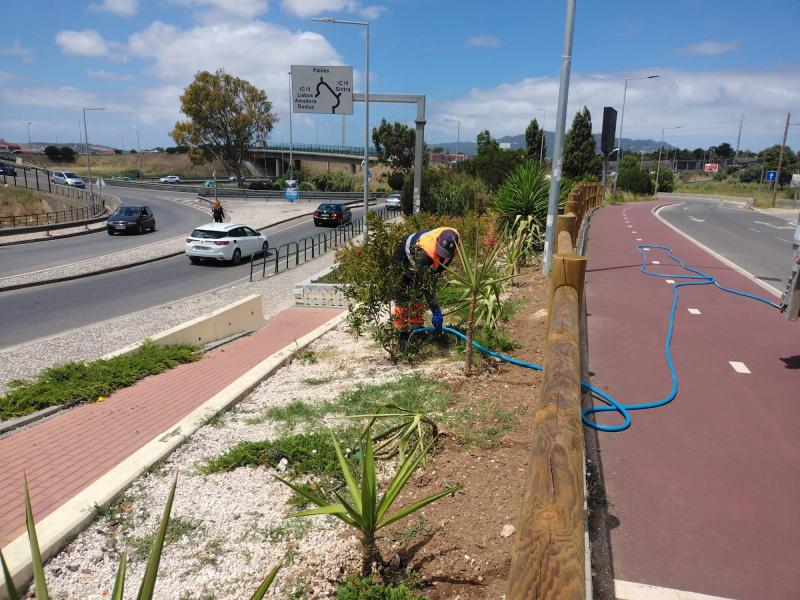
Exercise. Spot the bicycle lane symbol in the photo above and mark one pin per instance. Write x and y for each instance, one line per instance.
(335, 95)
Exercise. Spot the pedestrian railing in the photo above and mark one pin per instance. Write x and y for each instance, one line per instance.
(306, 248)
(548, 558)
(52, 218)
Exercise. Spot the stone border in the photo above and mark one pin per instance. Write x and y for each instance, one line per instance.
(62, 525)
(310, 293)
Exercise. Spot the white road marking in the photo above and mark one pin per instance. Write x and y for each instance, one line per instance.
(646, 249)
(633, 232)
(783, 240)
(630, 225)
(685, 208)
(628, 590)
(773, 226)
(694, 311)
(655, 262)
(739, 367)
(696, 220)
(669, 281)
(756, 230)
(638, 239)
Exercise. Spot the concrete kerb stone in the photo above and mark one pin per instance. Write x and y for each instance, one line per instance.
(62, 525)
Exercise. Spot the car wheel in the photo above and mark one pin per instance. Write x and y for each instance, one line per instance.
(110, 232)
(237, 257)
(141, 229)
(194, 260)
(153, 226)
(265, 249)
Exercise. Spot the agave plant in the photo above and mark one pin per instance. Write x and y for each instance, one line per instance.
(364, 510)
(148, 584)
(480, 284)
(412, 431)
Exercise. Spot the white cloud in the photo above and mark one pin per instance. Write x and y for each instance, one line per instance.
(87, 42)
(123, 8)
(484, 41)
(107, 75)
(706, 104)
(710, 48)
(210, 11)
(17, 49)
(49, 97)
(312, 8)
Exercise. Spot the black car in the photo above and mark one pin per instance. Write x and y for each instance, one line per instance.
(7, 169)
(131, 218)
(332, 214)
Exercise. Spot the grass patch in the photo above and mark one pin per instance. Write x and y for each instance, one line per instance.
(762, 193)
(409, 533)
(621, 197)
(317, 380)
(307, 357)
(358, 588)
(331, 277)
(177, 528)
(88, 381)
(19, 201)
(482, 426)
(306, 453)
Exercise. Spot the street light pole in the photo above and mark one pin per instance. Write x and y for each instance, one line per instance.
(458, 136)
(365, 25)
(622, 122)
(30, 150)
(88, 162)
(661, 143)
(541, 145)
(138, 152)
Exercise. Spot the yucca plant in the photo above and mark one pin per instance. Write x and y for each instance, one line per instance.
(151, 571)
(412, 432)
(519, 243)
(480, 284)
(524, 192)
(363, 510)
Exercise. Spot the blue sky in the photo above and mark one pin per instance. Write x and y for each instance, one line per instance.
(487, 64)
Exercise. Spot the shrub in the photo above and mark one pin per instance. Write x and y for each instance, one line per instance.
(751, 174)
(666, 181)
(260, 185)
(53, 153)
(67, 153)
(334, 181)
(633, 178)
(306, 186)
(396, 180)
(363, 588)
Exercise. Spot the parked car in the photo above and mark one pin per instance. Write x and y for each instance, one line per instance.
(7, 169)
(225, 242)
(170, 179)
(131, 218)
(233, 178)
(332, 214)
(210, 184)
(67, 178)
(393, 201)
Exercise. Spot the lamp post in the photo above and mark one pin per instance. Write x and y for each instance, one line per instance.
(541, 146)
(365, 25)
(30, 150)
(622, 122)
(458, 136)
(661, 143)
(88, 162)
(138, 152)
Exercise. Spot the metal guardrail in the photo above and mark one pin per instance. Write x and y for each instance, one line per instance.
(52, 218)
(354, 151)
(309, 245)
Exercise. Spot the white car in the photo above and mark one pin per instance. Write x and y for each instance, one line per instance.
(393, 201)
(225, 242)
(170, 179)
(67, 178)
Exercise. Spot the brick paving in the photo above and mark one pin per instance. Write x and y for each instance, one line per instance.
(63, 455)
(704, 490)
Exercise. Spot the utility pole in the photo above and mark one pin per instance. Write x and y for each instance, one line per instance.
(738, 139)
(561, 120)
(780, 162)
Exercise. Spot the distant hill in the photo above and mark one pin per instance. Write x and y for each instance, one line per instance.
(518, 141)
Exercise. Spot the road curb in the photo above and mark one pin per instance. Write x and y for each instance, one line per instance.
(19, 286)
(63, 524)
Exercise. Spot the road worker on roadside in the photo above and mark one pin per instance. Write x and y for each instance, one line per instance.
(423, 255)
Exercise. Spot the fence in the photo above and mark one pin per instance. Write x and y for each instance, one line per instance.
(548, 558)
(52, 218)
(280, 258)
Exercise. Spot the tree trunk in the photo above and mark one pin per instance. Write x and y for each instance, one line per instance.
(367, 553)
(470, 331)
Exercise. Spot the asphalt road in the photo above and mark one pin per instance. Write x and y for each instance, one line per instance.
(757, 242)
(173, 218)
(32, 313)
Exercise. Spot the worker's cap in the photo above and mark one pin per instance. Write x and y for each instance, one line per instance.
(446, 245)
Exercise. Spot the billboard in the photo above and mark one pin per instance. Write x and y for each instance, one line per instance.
(711, 167)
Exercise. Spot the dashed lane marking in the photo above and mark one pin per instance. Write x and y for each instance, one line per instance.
(655, 262)
(739, 367)
(638, 239)
(669, 281)
(756, 230)
(783, 240)
(694, 311)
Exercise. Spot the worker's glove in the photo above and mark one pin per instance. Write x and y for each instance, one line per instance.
(437, 320)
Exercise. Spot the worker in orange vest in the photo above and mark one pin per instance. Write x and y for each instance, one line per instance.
(423, 255)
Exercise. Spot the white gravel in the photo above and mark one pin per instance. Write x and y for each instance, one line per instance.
(254, 214)
(236, 526)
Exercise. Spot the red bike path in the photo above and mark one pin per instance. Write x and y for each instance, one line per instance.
(706, 489)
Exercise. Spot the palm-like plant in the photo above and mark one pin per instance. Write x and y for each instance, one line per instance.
(480, 284)
(413, 429)
(524, 192)
(147, 587)
(364, 510)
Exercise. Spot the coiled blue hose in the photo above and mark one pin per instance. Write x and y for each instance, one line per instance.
(698, 278)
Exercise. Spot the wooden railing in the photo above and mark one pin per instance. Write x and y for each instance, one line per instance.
(549, 551)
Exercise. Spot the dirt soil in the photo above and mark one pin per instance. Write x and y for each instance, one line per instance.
(458, 549)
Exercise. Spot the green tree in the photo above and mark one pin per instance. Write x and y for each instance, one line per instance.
(534, 141)
(67, 153)
(789, 165)
(394, 144)
(493, 165)
(579, 147)
(226, 115)
(633, 178)
(53, 153)
(724, 150)
(486, 143)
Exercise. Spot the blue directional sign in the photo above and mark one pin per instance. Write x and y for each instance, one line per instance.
(292, 194)
(771, 175)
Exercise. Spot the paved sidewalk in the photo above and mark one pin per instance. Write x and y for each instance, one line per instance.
(705, 489)
(63, 455)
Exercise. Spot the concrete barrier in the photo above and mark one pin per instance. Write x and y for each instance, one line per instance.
(311, 293)
(243, 315)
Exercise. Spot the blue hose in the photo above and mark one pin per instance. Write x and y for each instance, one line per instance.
(698, 278)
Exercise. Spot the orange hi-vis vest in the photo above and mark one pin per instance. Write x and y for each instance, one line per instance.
(427, 243)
